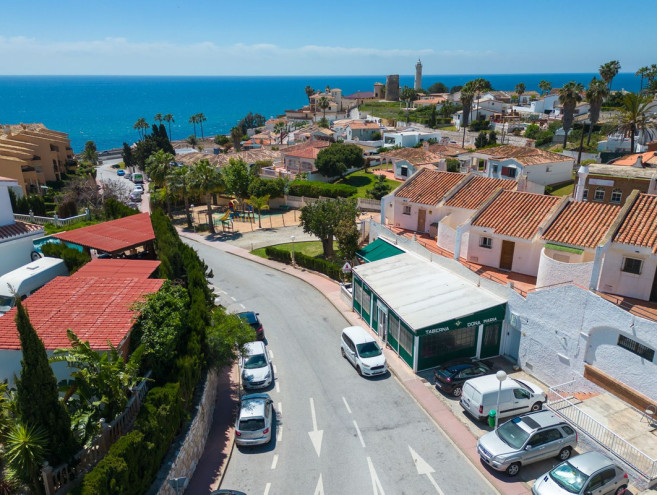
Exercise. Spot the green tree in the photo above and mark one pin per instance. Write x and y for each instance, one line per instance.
(479, 85)
(126, 154)
(37, 397)
(178, 182)
(279, 128)
(168, 118)
(227, 335)
(90, 153)
(141, 125)
(532, 131)
(482, 140)
(433, 117)
(448, 109)
(237, 178)
(520, 90)
(608, 71)
(336, 159)
(467, 97)
(545, 87)
(236, 137)
(309, 92)
(192, 141)
(200, 118)
(324, 104)
(492, 137)
(633, 117)
(380, 188)
(569, 96)
(206, 180)
(322, 219)
(595, 95)
(438, 88)
(193, 120)
(25, 449)
(453, 165)
(259, 203)
(407, 95)
(221, 140)
(158, 167)
(642, 73)
(347, 236)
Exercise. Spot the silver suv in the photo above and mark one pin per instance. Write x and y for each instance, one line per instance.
(526, 439)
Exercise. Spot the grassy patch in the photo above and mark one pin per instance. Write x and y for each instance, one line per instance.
(566, 249)
(564, 190)
(384, 109)
(448, 128)
(52, 229)
(363, 181)
(309, 248)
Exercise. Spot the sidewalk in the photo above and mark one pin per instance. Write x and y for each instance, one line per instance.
(453, 428)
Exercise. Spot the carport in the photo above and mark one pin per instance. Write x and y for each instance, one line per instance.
(427, 313)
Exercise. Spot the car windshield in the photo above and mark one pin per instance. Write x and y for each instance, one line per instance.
(257, 361)
(252, 424)
(248, 317)
(512, 434)
(368, 349)
(569, 477)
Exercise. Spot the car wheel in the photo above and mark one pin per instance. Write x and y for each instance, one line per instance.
(456, 392)
(359, 370)
(564, 454)
(513, 469)
(537, 406)
(620, 490)
(343, 354)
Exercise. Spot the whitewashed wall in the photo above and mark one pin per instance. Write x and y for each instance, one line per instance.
(16, 252)
(613, 280)
(10, 366)
(552, 271)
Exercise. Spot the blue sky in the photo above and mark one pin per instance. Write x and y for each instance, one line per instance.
(290, 37)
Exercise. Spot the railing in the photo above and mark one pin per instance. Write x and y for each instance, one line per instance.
(65, 477)
(562, 404)
(55, 220)
(366, 204)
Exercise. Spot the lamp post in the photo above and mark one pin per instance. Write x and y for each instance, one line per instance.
(501, 376)
(292, 237)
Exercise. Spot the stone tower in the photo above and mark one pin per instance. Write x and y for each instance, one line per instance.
(392, 87)
(418, 75)
(379, 91)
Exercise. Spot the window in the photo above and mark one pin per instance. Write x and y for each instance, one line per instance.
(486, 242)
(599, 194)
(585, 197)
(552, 435)
(358, 293)
(365, 305)
(632, 265)
(633, 346)
(406, 339)
(509, 172)
(494, 169)
(404, 171)
(521, 393)
(393, 326)
(449, 342)
(407, 210)
(616, 196)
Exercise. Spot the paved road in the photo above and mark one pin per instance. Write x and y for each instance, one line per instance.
(106, 174)
(337, 433)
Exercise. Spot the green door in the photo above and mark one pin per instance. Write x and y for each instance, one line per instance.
(490, 344)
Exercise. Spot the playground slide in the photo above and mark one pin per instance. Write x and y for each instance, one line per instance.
(225, 217)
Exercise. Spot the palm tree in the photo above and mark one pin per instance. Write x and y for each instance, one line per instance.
(168, 118)
(569, 97)
(642, 73)
(467, 97)
(608, 71)
(595, 95)
(206, 180)
(309, 92)
(141, 125)
(24, 451)
(236, 137)
(178, 181)
(158, 118)
(192, 140)
(520, 90)
(407, 95)
(279, 128)
(259, 203)
(158, 166)
(633, 117)
(200, 118)
(193, 120)
(545, 86)
(323, 104)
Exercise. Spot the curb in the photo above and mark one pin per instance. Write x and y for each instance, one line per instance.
(231, 431)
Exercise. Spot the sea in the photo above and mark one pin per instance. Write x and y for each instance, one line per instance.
(103, 109)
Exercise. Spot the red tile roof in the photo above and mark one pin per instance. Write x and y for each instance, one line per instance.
(582, 224)
(113, 236)
(647, 158)
(524, 155)
(477, 190)
(19, 229)
(516, 214)
(414, 156)
(96, 309)
(121, 268)
(428, 186)
(639, 228)
(364, 125)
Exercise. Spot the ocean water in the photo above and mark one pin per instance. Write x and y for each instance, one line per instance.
(104, 108)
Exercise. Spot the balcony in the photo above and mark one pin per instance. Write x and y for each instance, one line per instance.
(557, 267)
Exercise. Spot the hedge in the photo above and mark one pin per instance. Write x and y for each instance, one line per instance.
(316, 264)
(315, 189)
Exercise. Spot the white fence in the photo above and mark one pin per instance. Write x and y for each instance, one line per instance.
(300, 201)
(55, 220)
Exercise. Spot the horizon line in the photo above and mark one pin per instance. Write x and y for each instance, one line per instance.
(307, 75)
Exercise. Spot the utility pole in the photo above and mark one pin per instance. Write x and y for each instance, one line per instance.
(581, 143)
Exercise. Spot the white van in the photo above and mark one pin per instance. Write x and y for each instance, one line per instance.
(362, 351)
(479, 396)
(27, 279)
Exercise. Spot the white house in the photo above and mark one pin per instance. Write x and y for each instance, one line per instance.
(357, 130)
(484, 112)
(407, 161)
(540, 106)
(407, 138)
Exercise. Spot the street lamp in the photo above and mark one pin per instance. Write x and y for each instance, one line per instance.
(292, 237)
(501, 376)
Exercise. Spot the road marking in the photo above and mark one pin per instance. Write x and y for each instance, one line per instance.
(278, 388)
(279, 433)
(315, 435)
(274, 461)
(275, 370)
(319, 489)
(242, 306)
(233, 298)
(360, 437)
(377, 489)
(423, 468)
(280, 408)
(271, 354)
(346, 405)
(267, 487)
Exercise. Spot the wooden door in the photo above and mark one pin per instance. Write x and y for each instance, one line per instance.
(506, 258)
(421, 219)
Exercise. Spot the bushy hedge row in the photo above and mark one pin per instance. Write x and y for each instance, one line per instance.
(316, 264)
(73, 258)
(315, 189)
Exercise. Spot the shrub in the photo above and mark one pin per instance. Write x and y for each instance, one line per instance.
(532, 131)
(315, 189)
(114, 209)
(453, 165)
(544, 137)
(329, 268)
(67, 209)
(479, 125)
(73, 258)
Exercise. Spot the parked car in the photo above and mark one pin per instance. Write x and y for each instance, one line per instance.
(592, 473)
(256, 367)
(128, 176)
(450, 377)
(120, 172)
(480, 395)
(135, 196)
(138, 189)
(527, 439)
(254, 421)
(362, 351)
(252, 319)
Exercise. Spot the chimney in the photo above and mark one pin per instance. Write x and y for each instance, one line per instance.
(522, 183)
(582, 174)
(639, 161)
(652, 188)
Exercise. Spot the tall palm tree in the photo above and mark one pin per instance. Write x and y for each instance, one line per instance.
(467, 97)
(324, 104)
(633, 117)
(478, 86)
(642, 73)
(158, 118)
(545, 86)
(178, 182)
(141, 125)
(595, 95)
(279, 128)
(200, 118)
(206, 180)
(520, 90)
(608, 71)
(569, 97)
(168, 118)
(158, 166)
(236, 137)
(309, 92)
(193, 120)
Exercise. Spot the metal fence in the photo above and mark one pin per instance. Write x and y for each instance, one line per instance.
(562, 402)
(55, 220)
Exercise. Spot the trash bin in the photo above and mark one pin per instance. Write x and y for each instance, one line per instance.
(491, 418)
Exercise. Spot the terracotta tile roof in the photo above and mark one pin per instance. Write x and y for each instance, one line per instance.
(430, 101)
(414, 156)
(113, 236)
(364, 125)
(524, 155)
(428, 186)
(477, 190)
(120, 268)
(447, 150)
(639, 228)
(582, 224)
(516, 214)
(649, 157)
(309, 149)
(360, 94)
(96, 309)
(18, 229)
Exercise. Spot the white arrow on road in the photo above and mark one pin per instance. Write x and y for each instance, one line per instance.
(424, 468)
(319, 489)
(315, 435)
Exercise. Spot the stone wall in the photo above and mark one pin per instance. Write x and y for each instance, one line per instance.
(193, 445)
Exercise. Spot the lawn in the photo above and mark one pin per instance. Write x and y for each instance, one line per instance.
(386, 110)
(365, 180)
(309, 248)
(564, 190)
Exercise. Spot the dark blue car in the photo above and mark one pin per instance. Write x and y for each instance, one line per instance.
(449, 378)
